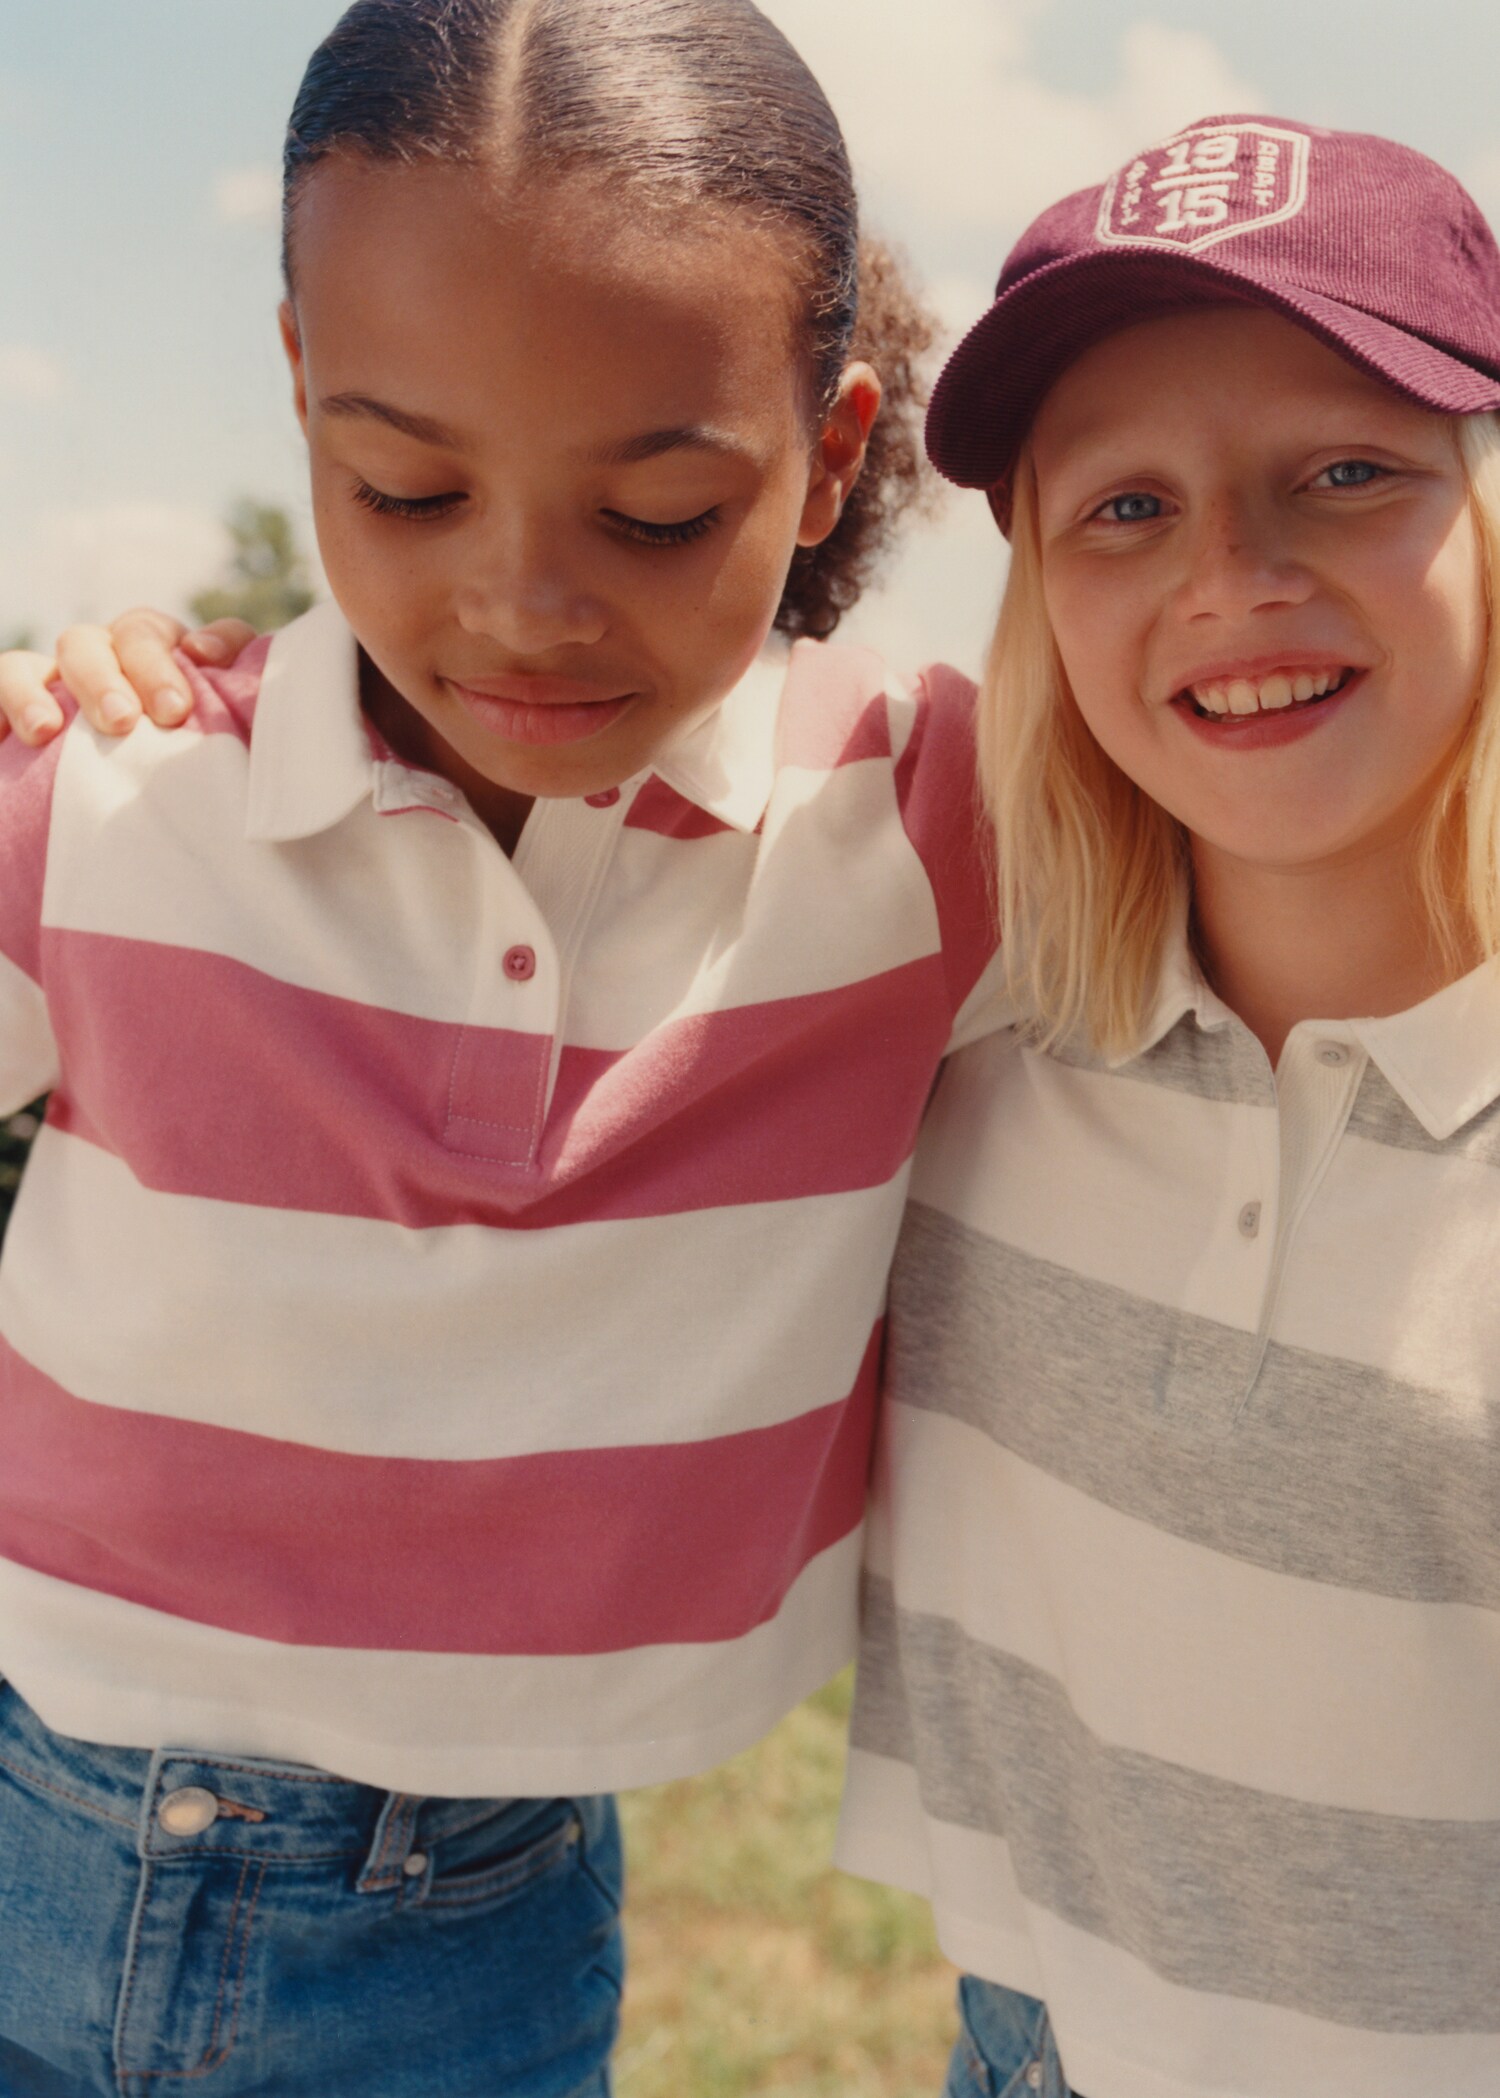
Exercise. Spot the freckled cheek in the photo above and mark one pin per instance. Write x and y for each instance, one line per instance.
(1102, 645)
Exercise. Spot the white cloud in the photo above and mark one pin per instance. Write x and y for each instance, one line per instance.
(248, 196)
(958, 142)
(92, 563)
(28, 374)
(954, 134)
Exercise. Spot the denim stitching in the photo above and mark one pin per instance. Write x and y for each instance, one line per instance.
(127, 1991)
(398, 1826)
(75, 1799)
(511, 1876)
(215, 2059)
(290, 1857)
(275, 1772)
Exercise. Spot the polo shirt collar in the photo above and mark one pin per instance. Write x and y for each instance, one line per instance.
(1181, 989)
(1442, 1057)
(311, 762)
(726, 764)
(310, 758)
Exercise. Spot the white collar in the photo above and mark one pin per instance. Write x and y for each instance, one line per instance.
(1441, 1057)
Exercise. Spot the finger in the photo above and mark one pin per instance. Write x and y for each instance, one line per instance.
(143, 641)
(25, 703)
(220, 643)
(91, 671)
(145, 657)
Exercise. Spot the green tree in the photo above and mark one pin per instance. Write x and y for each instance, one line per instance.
(266, 581)
(23, 637)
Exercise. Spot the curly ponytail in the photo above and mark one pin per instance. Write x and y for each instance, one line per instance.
(893, 330)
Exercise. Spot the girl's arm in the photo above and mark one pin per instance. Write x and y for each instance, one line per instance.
(115, 673)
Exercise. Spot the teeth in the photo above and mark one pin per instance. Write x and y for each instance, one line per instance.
(1240, 696)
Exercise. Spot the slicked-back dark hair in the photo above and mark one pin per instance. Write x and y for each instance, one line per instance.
(688, 102)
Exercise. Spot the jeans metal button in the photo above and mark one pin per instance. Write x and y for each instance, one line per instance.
(188, 1811)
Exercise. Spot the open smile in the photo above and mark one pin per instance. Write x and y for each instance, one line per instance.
(1229, 700)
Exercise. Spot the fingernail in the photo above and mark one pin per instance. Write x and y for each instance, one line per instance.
(37, 720)
(209, 645)
(169, 705)
(115, 709)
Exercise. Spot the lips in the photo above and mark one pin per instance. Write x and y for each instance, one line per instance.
(541, 709)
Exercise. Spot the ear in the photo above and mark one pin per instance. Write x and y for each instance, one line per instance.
(291, 342)
(839, 455)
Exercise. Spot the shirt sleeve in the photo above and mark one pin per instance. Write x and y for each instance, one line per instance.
(937, 786)
(28, 1047)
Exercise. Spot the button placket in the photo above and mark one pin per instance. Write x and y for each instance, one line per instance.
(1317, 1080)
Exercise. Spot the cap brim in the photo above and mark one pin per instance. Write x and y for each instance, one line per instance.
(997, 378)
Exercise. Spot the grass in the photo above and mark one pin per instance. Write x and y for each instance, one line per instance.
(754, 1967)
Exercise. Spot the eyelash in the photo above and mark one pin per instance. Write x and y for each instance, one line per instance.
(683, 534)
(415, 508)
(424, 509)
(1377, 473)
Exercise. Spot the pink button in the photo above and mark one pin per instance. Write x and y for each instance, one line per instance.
(606, 800)
(520, 964)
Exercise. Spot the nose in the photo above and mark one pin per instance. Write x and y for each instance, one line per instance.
(1237, 562)
(524, 589)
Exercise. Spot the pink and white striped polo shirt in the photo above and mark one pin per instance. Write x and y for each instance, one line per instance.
(439, 1327)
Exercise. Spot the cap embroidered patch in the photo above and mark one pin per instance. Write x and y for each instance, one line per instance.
(1206, 185)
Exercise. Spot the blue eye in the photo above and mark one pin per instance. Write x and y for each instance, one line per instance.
(1350, 473)
(1130, 509)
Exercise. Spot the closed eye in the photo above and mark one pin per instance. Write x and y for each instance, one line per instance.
(415, 508)
(681, 533)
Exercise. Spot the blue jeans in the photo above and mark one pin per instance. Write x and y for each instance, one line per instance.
(180, 1922)
(1005, 2046)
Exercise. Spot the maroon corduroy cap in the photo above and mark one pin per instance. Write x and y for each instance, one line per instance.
(1367, 244)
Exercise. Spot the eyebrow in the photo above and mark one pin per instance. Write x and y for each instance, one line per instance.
(629, 451)
(652, 444)
(421, 427)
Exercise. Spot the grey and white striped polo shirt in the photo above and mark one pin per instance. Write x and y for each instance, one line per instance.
(1180, 1684)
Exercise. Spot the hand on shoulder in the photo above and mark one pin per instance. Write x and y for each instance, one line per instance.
(116, 673)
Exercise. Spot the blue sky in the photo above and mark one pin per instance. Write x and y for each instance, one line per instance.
(141, 387)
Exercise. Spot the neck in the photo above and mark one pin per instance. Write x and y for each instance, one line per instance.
(1345, 941)
(502, 811)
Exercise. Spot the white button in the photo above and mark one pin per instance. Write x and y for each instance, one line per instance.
(416, 1864)
(188, 1811)
(1034, 2077)
(1250, 1220)
(1333, 1054)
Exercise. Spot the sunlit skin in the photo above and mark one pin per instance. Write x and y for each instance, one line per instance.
(1222, 498)
(604, 423)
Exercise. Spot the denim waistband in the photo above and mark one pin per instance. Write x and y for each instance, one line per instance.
(249, 1806)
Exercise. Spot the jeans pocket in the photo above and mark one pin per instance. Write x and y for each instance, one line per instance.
(1005, 2045)
(496, 1859)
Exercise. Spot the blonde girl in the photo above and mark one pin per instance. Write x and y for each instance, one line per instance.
(1180, 1683)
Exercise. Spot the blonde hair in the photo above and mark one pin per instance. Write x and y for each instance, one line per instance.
(1091, 872)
